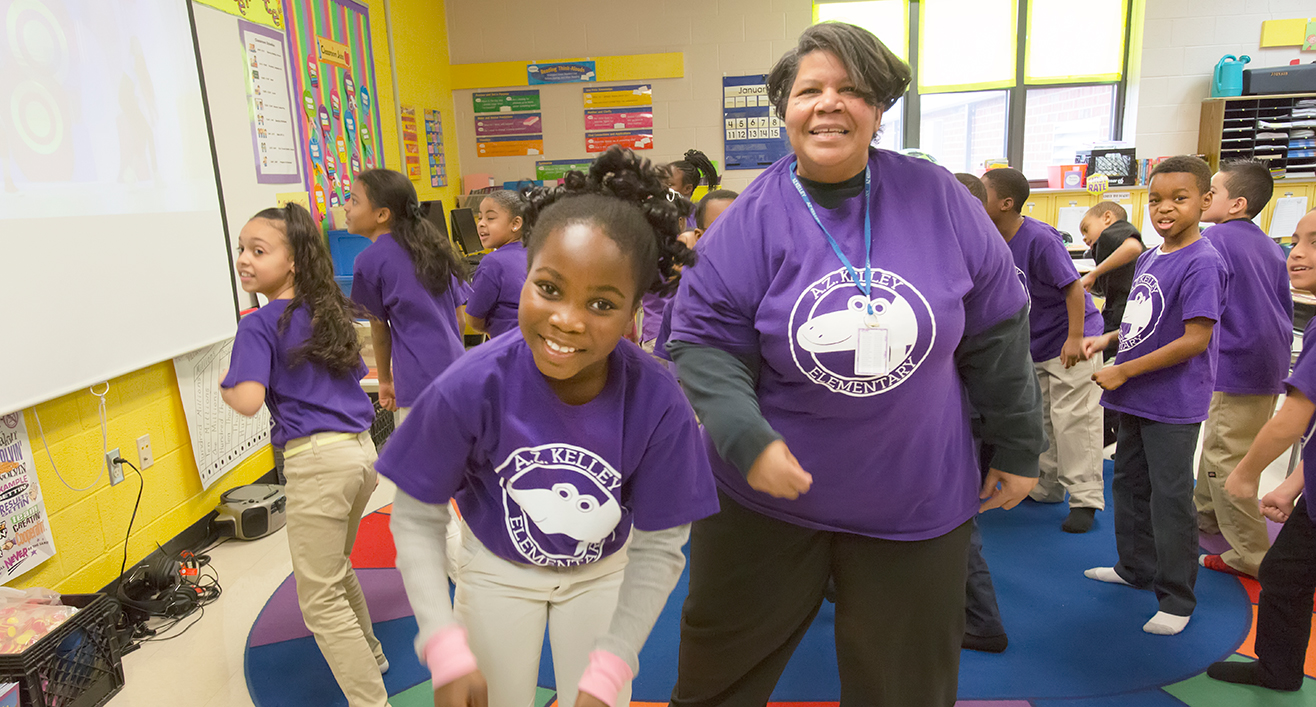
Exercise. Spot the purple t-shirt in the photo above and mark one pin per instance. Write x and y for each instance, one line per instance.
(1168, 290)
(426, 336)
(891, 456)
(545, 483)
(496, 287)
(1256, 328)
(654, 306)
(1046, 269)
(304, 399)
(1303, 379)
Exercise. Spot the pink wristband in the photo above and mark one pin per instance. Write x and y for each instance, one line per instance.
(448, 656)
(604, 677)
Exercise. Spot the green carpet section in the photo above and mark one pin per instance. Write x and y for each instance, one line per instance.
(544, 697)
(1202, 691)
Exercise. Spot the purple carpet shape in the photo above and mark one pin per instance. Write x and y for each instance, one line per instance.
(281, 619)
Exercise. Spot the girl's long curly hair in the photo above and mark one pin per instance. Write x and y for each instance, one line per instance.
(626, 198)
(433, 256)
(333, 342)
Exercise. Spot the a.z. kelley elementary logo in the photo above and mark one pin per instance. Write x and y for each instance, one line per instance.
(560, 502)
(1143, 311)
(825, 323)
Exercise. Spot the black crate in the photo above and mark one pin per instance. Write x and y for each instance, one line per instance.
(78, 664)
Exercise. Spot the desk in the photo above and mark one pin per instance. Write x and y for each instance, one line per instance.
(1085, 265)
(1079, 248)
(1300, 297)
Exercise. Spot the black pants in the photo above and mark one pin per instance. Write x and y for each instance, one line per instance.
(1155, 519)
(756, 584)
(1288, 578)
(1111, 317)
(982, 615)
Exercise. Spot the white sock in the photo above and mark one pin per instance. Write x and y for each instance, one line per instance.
(1163, 624)
(1105, 574)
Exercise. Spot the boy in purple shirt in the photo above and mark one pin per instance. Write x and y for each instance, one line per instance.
(1060, 315)
(1288, 571)
(1256, 341)
(1161, 384)
(496, 286)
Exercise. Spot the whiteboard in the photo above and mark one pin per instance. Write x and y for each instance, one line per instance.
(114, 252)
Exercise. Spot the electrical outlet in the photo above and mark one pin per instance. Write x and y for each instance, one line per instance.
(144, 456)
(116, 470)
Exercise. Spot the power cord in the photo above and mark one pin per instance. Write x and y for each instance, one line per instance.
(141, 484)
(105, 442)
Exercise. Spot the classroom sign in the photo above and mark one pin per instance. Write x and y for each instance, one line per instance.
(619, 96)
(269, 14)
(510, 146)
(434, 147)
(546, 170)
(755, 136)
(523, 124)
(635, 140)
(560, 72)
(271, 105)
(619, 118)
(506, 101)
(410, 143)
(25, 539)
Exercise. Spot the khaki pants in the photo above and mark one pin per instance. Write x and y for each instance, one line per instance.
(1234, 422)
(328, 489)
(505, 607)
(1071, 411)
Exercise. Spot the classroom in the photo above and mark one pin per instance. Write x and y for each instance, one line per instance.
(177, 200)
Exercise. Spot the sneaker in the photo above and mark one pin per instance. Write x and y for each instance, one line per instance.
(1213, 562)
(383, 665)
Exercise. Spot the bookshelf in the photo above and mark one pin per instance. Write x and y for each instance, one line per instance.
(1278, 130)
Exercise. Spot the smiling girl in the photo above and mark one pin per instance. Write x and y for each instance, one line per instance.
(574, 459)
(496, 287)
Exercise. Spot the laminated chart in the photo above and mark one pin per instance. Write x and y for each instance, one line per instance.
(755, 136)
(508, 124)
(221, 438)
(618, 115)
(434, 147)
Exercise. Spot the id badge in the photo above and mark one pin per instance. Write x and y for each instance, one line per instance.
(872, 355)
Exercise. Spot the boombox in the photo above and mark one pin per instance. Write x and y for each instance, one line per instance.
(252, 511)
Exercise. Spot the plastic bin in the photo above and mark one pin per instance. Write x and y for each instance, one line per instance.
(343, 249)
(78, 664)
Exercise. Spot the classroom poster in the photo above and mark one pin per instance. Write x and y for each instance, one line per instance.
(560, 72)
(334, 82)
(270, 105)
(434, 148)
(754, 134)
(507, 124)
(618, 96)
(25, 539)
(510, 146)
(266, 12)
(505, 101)
(635, 140)
(546, 170)
(618, 115)
(410, 143)
(619, 118)
(221, 438)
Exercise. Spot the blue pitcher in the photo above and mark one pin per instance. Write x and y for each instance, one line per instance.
(1228, 79)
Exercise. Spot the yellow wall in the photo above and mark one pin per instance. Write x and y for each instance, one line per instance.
(89, 526)
(420, 45)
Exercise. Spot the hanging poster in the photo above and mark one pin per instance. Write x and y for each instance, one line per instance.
(619, 118)
(270, 105)
(557, 169)
(506, 101)
(434, 147)
(560, 72)
(520, 124)
(755, 137)
(635, 140)
(221, 438)
(334, 74)
(266, 13)
(619, 96)
(410, 143)
(25, 539)
(510, 146)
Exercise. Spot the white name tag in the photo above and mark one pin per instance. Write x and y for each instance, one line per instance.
(872, 354)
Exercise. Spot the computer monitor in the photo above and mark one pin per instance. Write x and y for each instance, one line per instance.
(464, 232)
(435, 214)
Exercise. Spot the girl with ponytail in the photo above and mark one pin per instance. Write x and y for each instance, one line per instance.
(299, 356)
(560, 443)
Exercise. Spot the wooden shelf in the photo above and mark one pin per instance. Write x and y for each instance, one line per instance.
(1260, 128)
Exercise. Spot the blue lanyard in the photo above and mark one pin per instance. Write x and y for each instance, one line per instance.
(865, 286)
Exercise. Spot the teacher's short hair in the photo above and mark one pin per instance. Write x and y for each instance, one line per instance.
(879, 75)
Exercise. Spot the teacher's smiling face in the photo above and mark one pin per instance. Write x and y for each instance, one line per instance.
(828, 122)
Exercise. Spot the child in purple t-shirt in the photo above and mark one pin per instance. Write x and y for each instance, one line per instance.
(1288, 571)
(710, 207)
(1060, 314)
(496, 287)
(574, 458)
(299, 356)
(1256, 341)
(1161, 384)
(411, 283)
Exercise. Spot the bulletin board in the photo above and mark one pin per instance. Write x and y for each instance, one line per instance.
(754, 135)
(334, 78)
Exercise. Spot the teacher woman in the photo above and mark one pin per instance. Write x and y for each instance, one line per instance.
(846, 313)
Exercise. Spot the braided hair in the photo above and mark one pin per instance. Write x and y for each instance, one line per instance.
(694, 167)
(432, 255)
(333, 342)
(626, 198)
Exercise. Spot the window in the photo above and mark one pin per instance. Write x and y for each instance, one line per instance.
(977, 94)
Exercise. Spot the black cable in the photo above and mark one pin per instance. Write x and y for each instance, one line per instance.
(141, 484)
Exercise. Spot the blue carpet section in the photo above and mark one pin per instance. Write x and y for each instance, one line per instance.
(295, 673)
(1145, 698)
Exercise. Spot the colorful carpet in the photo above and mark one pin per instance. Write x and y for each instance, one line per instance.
(1074, 642)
